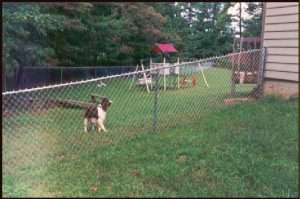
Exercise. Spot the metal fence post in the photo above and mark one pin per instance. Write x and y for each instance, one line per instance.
(155, 107)
(232, 89)
(262, 72)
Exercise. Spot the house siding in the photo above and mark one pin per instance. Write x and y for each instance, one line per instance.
(281, 37)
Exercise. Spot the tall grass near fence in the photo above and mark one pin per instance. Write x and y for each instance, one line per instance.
(39, 135)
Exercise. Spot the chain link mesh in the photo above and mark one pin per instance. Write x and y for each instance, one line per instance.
(45, 126)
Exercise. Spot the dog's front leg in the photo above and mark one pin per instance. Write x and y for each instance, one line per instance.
(101, 125)
(98, 126)
(99, 129)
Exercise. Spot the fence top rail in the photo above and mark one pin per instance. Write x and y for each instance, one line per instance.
(75, 67)
(127, 74)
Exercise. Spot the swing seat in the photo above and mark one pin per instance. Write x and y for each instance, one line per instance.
(245, 77)
(143, 82)
(185, 80)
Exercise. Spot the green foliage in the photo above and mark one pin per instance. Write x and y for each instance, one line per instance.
(252, 27)
(211, 34)
(95, 34)
(25, 31)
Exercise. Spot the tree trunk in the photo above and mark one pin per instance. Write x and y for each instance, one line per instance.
(214, 12)
(3, 79)
(240, 20)
(190, 15)
(20, 76)
(21, 62)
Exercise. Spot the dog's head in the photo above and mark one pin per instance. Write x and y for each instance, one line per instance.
(105, 103)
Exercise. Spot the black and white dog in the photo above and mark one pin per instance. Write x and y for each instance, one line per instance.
(97, 114)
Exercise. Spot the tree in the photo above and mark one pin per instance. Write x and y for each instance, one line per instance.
(143, 29)
(24, 34)
(176, 27)
(70, 43)
(95, 34)
(252, 25)
(111, 34)
(250, 18)
(211, 33)
(236, 12)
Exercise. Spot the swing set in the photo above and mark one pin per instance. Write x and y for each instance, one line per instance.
(167, 71)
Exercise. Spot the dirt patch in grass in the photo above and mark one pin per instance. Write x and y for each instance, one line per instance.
(136, 173)
(182, 157)
(200, 174)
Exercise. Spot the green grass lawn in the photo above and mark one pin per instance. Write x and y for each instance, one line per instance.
(132, 111)
(202, 148)
(248, 150)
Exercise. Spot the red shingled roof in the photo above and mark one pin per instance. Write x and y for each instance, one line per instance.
(165, 48)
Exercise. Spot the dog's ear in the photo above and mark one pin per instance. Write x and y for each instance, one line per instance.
(106, 102)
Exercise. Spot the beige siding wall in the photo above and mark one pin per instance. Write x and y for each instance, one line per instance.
(283, 89)
(281, 37)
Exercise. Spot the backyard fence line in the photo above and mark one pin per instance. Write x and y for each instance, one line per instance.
(131, 73)
(76, 67)
(45, 126)
(37, 76)
(252, 61)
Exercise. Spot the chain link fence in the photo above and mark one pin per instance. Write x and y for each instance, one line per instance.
(45, 125)
(31, 77)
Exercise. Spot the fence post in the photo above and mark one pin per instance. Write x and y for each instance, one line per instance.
(61, 74)
(261, 72)
(155, 107)
(3, 79)
(232, 90)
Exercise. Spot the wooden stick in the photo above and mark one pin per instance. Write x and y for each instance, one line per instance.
(67, 104)
(145, 78)
(94, 96)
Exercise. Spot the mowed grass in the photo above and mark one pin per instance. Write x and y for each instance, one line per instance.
(201, 149)
(131, 113)
(249, 150)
